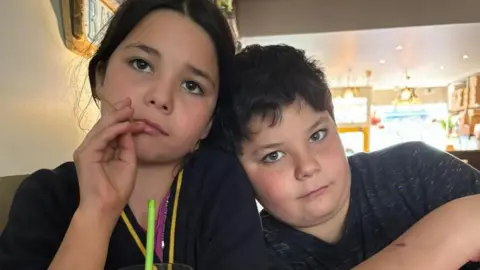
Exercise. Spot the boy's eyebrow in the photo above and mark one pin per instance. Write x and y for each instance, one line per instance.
(321, 120)
(317, 123)
(267, 146)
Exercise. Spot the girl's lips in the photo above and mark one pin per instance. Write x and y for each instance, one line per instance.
(152, 128)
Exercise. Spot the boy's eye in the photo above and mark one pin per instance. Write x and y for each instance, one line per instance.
(273, 157)
(318, 135)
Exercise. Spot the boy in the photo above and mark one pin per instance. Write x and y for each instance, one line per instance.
(324, 211)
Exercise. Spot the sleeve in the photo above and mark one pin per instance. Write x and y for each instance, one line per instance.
(34, 232)
(232, 229)
(435, 177)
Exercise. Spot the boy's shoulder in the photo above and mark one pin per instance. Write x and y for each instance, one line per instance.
(413, 159)
(409, 159)
(403, 153)
(414, 174)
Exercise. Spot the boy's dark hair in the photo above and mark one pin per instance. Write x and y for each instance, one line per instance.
(266, 79)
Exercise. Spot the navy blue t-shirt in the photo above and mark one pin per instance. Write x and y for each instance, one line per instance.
(391, 190)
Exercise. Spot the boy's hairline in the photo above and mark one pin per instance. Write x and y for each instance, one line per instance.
(239, 142)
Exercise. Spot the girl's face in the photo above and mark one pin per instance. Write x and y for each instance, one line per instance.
(168, 67)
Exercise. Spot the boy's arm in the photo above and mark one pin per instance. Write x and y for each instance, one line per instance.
(445, 239)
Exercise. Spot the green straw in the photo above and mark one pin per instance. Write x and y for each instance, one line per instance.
(150, 235)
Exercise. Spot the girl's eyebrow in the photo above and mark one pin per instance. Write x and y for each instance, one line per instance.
(147, 49)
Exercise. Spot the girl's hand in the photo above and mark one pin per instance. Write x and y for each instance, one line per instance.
(106, 162)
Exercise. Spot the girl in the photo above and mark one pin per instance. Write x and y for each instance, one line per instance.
(158, 74)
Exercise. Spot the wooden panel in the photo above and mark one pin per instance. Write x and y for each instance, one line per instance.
(474, 89)
(84, 22)
(458, 97)
(366, 134)
(471, 157)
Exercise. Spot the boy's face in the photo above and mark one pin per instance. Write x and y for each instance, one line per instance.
(298, 166)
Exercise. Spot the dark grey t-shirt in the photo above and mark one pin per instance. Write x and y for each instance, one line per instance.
(391, 190)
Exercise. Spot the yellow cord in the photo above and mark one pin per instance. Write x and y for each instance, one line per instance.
(174, 218)
(134, 234)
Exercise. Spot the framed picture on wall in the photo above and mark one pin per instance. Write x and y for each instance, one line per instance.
(84, 23)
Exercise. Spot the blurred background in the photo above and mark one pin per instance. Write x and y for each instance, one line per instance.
(399, 70)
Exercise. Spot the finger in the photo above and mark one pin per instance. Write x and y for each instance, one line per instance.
(112, 108)
(113, 144)
(98, 145)
(126, 147)
(124, 143)
(90, 143)
(115, 106)
(126, 102)
(122, 115)
(108, 154)
(126, 151)
(135, 128)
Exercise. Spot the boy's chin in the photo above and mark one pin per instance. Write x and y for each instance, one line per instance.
(314, 215)
(303, 217)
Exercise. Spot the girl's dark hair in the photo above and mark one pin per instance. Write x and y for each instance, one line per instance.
(203, 12)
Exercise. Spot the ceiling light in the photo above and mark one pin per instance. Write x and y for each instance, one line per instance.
(465, 57)
(382, 61)
(406, 94)
(399, 48)
(348, 94)
(442, 67)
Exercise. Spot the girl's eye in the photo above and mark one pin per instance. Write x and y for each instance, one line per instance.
(318, 135)
(141, 65)
(192, 87)
(273, 157)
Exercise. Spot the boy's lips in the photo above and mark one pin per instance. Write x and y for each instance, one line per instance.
(315, 192)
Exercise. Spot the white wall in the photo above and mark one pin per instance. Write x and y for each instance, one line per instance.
(38, 127)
